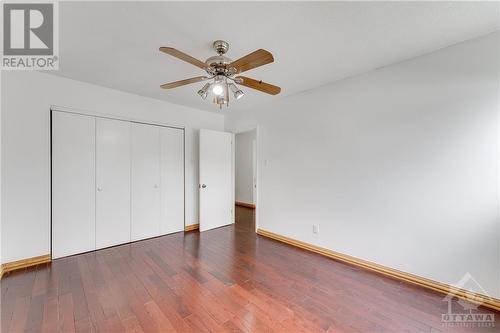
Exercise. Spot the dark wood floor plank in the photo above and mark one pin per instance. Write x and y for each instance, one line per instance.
(66, 313)
(50, 321)
(20, 314)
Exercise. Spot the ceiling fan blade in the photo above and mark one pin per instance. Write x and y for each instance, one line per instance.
(255, 59)
(258, 85)
(176, 84)
(183, 56)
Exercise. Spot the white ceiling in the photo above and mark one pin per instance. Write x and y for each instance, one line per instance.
(115, 44)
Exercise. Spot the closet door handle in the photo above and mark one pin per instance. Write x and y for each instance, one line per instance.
(99, 189)
(156, 186)
(203, 186)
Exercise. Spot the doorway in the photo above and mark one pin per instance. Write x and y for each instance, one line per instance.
(245, 175)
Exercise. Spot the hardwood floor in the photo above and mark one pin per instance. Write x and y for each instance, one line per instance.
(224, 280)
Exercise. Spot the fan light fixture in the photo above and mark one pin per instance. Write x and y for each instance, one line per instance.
(203, 92)
(220, 90)
(217, 89)
(218, 86)
(237, 92)
(221, 72)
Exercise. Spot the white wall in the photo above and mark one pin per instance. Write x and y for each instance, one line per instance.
(244, 166)
(26, 100)
(398, 166)
(0, 173)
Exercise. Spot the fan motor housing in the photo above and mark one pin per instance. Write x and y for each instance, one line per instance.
(219, 60)
(217, 64)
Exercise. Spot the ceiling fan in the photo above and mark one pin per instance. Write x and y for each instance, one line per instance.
(221, 72)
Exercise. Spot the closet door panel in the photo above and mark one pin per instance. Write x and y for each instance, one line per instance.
(172, 180)
(145, 181)
(112, 182)
(73, 184)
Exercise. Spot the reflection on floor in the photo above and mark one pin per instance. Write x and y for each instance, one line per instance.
(227, 279)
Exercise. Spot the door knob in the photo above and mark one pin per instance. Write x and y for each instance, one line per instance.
(203, 186)
(156, 186)
(99, 189)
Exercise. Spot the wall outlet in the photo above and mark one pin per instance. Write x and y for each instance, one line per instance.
(316, 228)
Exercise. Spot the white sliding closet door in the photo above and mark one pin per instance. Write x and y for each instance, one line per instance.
(73, 184)
(172, 180)
(112, 182)
(145, 196)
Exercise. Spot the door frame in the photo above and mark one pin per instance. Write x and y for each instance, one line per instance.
(65, 109)
(257, 168)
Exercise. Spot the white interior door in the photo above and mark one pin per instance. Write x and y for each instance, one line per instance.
(145, 183)
(73, 184)
(112, 182)
(172, 180)
(216, 179)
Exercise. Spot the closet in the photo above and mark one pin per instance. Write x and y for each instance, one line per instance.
(113, 182)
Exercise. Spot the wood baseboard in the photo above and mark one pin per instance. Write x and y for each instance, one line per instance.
(12, 266)
(191, 227)
(244, 204)
(484, 300)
